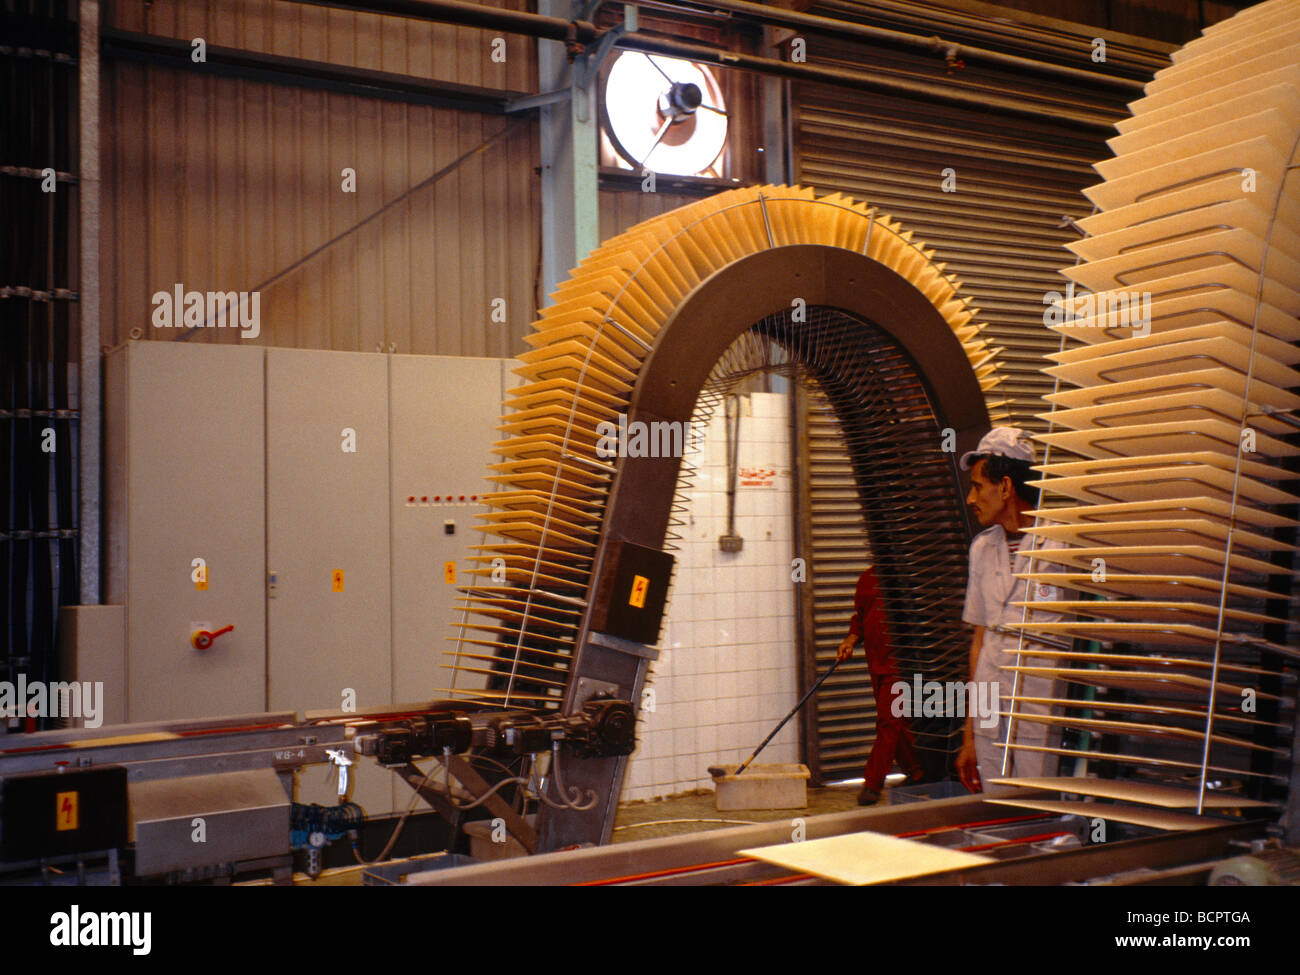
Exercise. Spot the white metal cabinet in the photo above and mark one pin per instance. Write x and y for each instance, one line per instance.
(185, 479)
(328, 614)
(444, 414)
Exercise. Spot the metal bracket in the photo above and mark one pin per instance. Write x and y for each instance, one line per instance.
(589, 687)
(526, 102)
(1069, 221)
(597, 52)
(623, 646)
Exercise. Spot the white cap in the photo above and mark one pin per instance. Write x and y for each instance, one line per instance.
(1002, 442)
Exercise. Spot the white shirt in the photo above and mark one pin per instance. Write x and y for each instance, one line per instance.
(990, 592)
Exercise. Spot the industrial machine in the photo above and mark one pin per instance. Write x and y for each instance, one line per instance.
(1178, 482)
(211, 800)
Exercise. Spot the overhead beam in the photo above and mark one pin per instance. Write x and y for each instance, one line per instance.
(232, 62)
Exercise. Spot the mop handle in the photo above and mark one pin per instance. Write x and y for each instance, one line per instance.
(793, 711)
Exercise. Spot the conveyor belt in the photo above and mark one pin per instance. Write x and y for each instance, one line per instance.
(712, 857)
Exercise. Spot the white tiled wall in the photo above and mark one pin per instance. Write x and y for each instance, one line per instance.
(726, 673)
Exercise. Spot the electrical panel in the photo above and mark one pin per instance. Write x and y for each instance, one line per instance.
(327, 546)
(331, 498)
(632, 591)
(186, 489)
(439, 406)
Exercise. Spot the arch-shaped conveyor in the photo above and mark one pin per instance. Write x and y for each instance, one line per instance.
(633, 335)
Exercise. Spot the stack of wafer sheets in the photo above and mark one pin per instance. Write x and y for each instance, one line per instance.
(524, 608)
(1139, 803)
(1173, 523)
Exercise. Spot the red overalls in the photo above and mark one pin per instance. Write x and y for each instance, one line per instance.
(893, 734)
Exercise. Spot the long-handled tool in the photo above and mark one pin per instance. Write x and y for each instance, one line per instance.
(718, 770)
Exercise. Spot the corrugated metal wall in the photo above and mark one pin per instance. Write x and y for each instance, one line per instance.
(218, 184)
(440, 52)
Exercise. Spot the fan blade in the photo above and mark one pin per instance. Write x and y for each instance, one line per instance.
(651, 59)
(663, 129)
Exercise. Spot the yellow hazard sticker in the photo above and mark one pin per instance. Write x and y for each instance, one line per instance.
(449, 572)
(65, 815)
(336, 580)
(640, 586)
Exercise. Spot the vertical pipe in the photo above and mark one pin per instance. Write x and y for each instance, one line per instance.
(773, 141)
(88, 286)
(11, 203)
(43, 581)
(805, 623)
(63, 515)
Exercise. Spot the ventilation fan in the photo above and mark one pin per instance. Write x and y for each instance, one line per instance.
(665, 115)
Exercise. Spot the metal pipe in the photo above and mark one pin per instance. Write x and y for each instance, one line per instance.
(88, 288)
(473, 15)
(830, 26)
(581, 32)
(858, 80)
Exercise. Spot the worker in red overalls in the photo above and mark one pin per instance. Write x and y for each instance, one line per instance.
(893, 734)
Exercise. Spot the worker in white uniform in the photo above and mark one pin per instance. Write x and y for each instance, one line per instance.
(1000, 497)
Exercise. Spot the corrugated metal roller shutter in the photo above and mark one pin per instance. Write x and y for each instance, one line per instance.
(998, 227)
(996, 224)
(840, 729)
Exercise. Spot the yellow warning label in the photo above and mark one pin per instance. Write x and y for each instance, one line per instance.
(65, 811)
(449, 572)
(201, 580)
(640, 586)
(336, 580)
